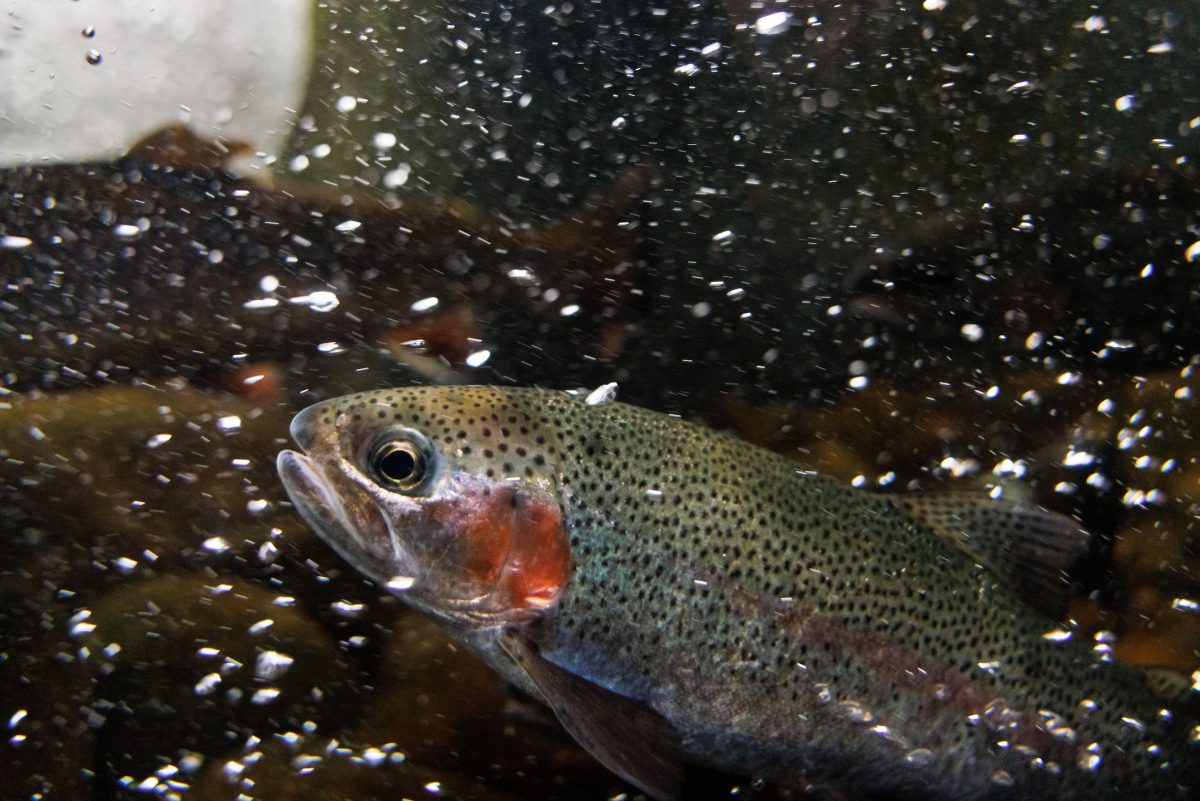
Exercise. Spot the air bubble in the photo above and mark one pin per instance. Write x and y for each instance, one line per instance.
(919, 757)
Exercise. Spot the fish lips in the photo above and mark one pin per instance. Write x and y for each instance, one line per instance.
(360, 536)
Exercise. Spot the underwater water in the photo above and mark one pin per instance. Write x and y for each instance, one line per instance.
(939, 245)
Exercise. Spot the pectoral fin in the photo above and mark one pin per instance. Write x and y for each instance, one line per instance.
(626, 736)
(1028, 548)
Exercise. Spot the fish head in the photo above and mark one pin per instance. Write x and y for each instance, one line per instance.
(445, 496)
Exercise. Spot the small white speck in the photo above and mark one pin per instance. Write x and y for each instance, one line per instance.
(264, 696)
(424, 305)
(1185, 605)
(570, 310)
(605, 393)
(400, 583)
(346, 103)
(229, 423)
(207, 684)
(268, 553)
(373, 756)
(321, 301)
(934, 5)
(268, 283)
(1016, 468)
(772, 24)
(81, 628)
(126, 231)
(157, 440)
(1123, 103)
(15, 242)
(261, 626)
(478, 358)
(919, 757)
(384, 140)
(261, 303)
(1193, 252)
(972, 332)
(215, 545)
(1068, 379)
(1076, 458)
(397, 177)
(1161, 47)
(347, 608)
(348, 226)
(1057, 635)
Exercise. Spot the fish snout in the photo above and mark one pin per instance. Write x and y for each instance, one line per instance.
(305, 426)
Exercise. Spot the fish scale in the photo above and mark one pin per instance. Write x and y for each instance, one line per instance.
(772, 621)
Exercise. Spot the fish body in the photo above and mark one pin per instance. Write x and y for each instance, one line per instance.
(676, 594)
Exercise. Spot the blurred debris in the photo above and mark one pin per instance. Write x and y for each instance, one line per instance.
(165, 264)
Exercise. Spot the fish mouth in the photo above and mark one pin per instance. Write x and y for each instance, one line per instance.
(360, 535)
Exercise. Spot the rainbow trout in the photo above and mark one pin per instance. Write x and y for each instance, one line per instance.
(677, 595)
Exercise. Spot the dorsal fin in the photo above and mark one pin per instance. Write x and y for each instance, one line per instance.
(1173, 688)
(1028, 548)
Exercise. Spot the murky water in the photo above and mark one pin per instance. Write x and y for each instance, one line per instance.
(913, 245)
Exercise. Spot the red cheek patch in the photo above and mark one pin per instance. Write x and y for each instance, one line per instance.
(539, 561)
(509, 546)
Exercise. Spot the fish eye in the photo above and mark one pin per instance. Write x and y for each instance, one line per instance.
(399, 464)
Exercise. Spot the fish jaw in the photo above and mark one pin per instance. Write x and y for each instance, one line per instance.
(364, 538)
